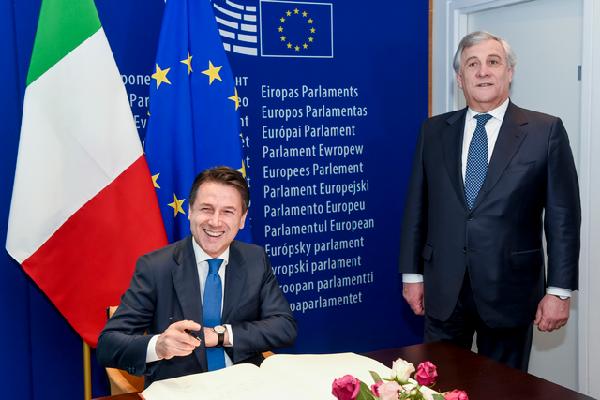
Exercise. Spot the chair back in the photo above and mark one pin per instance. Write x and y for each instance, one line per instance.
(120, 381)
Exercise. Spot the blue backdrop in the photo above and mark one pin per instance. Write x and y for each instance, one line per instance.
(331, 101)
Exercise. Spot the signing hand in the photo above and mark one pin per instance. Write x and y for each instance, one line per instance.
(413, 294)
(552, 313)
(175, 341)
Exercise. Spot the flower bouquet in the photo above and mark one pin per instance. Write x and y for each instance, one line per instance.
(400, 386)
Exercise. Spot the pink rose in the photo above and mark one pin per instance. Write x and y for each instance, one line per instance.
(456, 395)
(426, 373)
(375, 388)
(345, 388)
(389, 390)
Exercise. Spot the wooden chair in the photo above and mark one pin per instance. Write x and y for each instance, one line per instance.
(120, 381)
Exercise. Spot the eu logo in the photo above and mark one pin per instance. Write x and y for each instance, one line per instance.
(296, 29)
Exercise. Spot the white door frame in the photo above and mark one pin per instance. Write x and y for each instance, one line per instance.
(589, 326)
(449, 26)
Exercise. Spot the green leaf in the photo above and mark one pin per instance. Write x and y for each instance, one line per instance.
(365, 392)
(438, 396)
(375, 376)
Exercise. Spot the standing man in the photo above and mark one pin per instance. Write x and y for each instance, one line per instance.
(204, 302)
(487, 181)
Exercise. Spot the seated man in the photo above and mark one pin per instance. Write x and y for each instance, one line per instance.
(204, 302)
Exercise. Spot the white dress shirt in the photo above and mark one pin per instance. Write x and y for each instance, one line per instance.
(202, 265)
(493, 129)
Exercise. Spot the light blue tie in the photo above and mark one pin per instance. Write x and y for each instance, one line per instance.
(212, 311)
(477, 160)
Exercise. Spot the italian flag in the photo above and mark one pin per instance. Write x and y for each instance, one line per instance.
(83, 205)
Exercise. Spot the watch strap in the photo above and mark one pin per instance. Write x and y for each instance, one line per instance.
(220, 337)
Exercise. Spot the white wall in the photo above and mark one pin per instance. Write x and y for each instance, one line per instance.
(589, 179)
(574, 357)
(546, 36)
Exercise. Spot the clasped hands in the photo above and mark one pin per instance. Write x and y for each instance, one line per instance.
(180, 339)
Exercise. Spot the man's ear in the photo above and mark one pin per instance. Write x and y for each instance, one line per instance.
(243, 220)
(459, 80)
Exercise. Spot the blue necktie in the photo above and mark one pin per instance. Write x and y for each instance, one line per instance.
(477, 160)
(212, 311)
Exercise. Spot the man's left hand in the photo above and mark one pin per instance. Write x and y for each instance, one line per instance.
(211, 338)
(552, 313)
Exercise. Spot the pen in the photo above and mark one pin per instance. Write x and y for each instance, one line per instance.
(193, 334)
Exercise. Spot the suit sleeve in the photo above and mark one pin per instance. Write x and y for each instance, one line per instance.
(562, 219)
(414, 226)
(276, 326)
(122, 343)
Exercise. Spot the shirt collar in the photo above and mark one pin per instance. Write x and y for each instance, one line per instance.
(497, 113)
(202, 256)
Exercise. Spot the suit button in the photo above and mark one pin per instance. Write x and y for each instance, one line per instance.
(465, 250)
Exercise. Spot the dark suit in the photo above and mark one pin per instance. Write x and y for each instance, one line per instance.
(499, 242)
(165, 288)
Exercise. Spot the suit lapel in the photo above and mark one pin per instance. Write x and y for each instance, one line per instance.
(235, 279)
(452, 138)
(186, 284)
(509, 140)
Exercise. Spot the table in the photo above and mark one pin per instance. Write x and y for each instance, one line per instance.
(481, 377)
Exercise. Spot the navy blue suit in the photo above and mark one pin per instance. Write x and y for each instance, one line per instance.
(165, 288)
(531, 186)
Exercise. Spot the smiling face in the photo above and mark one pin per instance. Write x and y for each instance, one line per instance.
(484, 75)
(216, 215)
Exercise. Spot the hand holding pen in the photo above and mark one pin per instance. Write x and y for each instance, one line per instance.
(180, 339)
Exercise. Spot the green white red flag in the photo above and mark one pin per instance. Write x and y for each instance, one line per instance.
(83, 204)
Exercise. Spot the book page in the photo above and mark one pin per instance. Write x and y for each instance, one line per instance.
(238, 382)
(281, 376)
(310, 375)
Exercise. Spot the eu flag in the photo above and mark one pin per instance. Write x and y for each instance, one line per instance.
(194, 122)
(296, 29)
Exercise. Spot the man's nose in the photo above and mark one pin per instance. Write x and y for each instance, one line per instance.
(483, 70)
(214, 219)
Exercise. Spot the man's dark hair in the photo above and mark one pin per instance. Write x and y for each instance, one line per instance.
(225, 176)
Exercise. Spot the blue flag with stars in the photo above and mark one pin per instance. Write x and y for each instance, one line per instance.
(194, 122)
(296, 29)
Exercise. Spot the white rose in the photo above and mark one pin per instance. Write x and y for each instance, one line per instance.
(402, 370)
(427, 393)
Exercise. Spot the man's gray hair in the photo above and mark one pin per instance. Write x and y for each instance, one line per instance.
(480, 36)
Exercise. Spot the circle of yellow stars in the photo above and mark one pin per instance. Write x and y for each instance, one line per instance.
(212, 72)
(286, 40)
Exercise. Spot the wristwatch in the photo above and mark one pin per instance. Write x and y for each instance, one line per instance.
(220, 331)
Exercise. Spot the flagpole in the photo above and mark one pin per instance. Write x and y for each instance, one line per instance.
(87, 372)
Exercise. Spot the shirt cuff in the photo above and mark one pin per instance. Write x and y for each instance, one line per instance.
(558, 291)
(151, 355)
(412, 278)
(230, 333)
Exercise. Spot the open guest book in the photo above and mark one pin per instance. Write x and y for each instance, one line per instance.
(281, 376)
